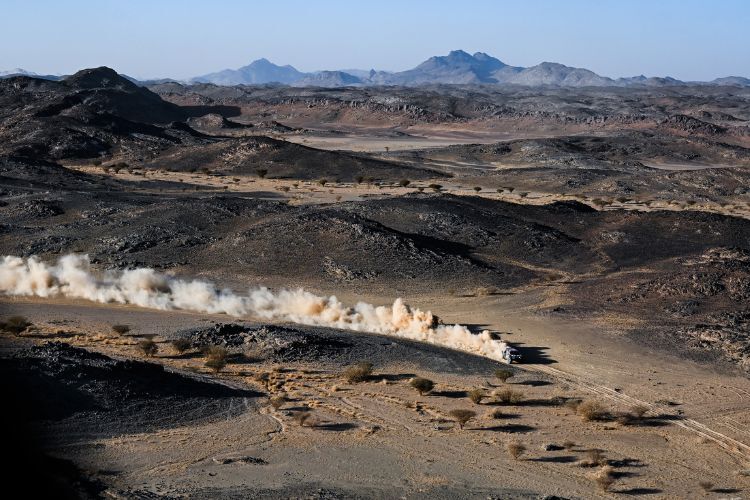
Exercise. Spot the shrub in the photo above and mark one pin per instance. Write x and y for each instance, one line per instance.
(358, 372)
(593, 458)
(462, 416)
(477, 188)
(262, 172)
(360, 179)
(304, 418)
(497, 414)
(435, 187)
(215, 351)
(96, 163)
(516, 449)
(509, 189)
(216, 364)
(509, 396)
(422, 385)
(404, 182)
(323, 182)
(605, 478)
(476, 396)
(591, 410)
(121, 329)
(573, 404)
(639, 411)
(181, 345)
(277, 401)
(148, 347)
(706, 485)
(503, 374)
(569, 445)
(15, 324)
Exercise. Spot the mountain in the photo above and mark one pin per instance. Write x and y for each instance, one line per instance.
(732, 80)
(257, 72)
(456, 68)
(22, 72)
(328, 79)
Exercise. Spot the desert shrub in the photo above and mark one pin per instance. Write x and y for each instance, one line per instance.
(476, 396)
(639, 411)
(503, 374)
(360, 179)
(358, 372)
(509, 396)
(569, 445)
(573, 404)
(277, 401)
(285, 189)
(499, 190)
(509, 189)
(148, 347)
(485, 291)
(593, 458)
(516, 449)
(206, 170)
(262, 172)
(435, 187)
(96, 163)
(622, 199)
(422, 385)
(404, 182)
(323, 182)
(477, 188)
(304, 418)
(216, 364)
(215, 351)
(605, 478)
(497, 414)
(121, 329)
(706, 485)
(462, 416)
(523, 194)
(591, 410)
(14, 324)
(181, 345)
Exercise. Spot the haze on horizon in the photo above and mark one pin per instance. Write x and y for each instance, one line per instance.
(688, 40)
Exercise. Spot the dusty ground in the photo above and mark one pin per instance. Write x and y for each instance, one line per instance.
(407, 444)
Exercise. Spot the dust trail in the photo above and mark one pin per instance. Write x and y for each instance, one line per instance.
(72, 277)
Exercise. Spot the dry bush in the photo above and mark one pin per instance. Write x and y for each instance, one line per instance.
(569, 445)
(121, 329)
(477, 188)
(592, 410)
(604, 478)
(509, 396)
(148, 347)
(639, 411)
(516, 449)
(216, 364)
(358, 372)
(435, 187)
(422, 385)
(485, 291)
(323, 182)
(593, 458)
(503, 374)
(573, 404)
(304, 418)
(262, 172)
(277, 401)
(476, 396)
(706, 486)
(497, 414)
(360, 179)
(404, 182)
(14, 324)
(181, 345)
(462, 416)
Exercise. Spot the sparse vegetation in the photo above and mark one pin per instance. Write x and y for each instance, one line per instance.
(304, 418)
(435, 187)
(476, 396)
(593, 458)
(503, 374)
(422, 385)
(461, 417)
(148, 347)
(15, 324)
(706, 486)
(497, 414)
(277, 401)
(591, 410)
(568, 445)
(509, 396)
(215, 364)
(216, 358)
(477, 188)
(516, 449)
(262, 172)
(404, 182)
(323, 182)
(605, 478)
(360, 179)
(181, 345)
(358, 372)
(120, 329)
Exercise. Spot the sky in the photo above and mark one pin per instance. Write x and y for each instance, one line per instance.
(685, 39)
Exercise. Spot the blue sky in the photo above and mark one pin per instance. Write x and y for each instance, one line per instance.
(686, 39)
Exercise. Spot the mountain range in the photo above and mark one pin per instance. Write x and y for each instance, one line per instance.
(456, 68)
